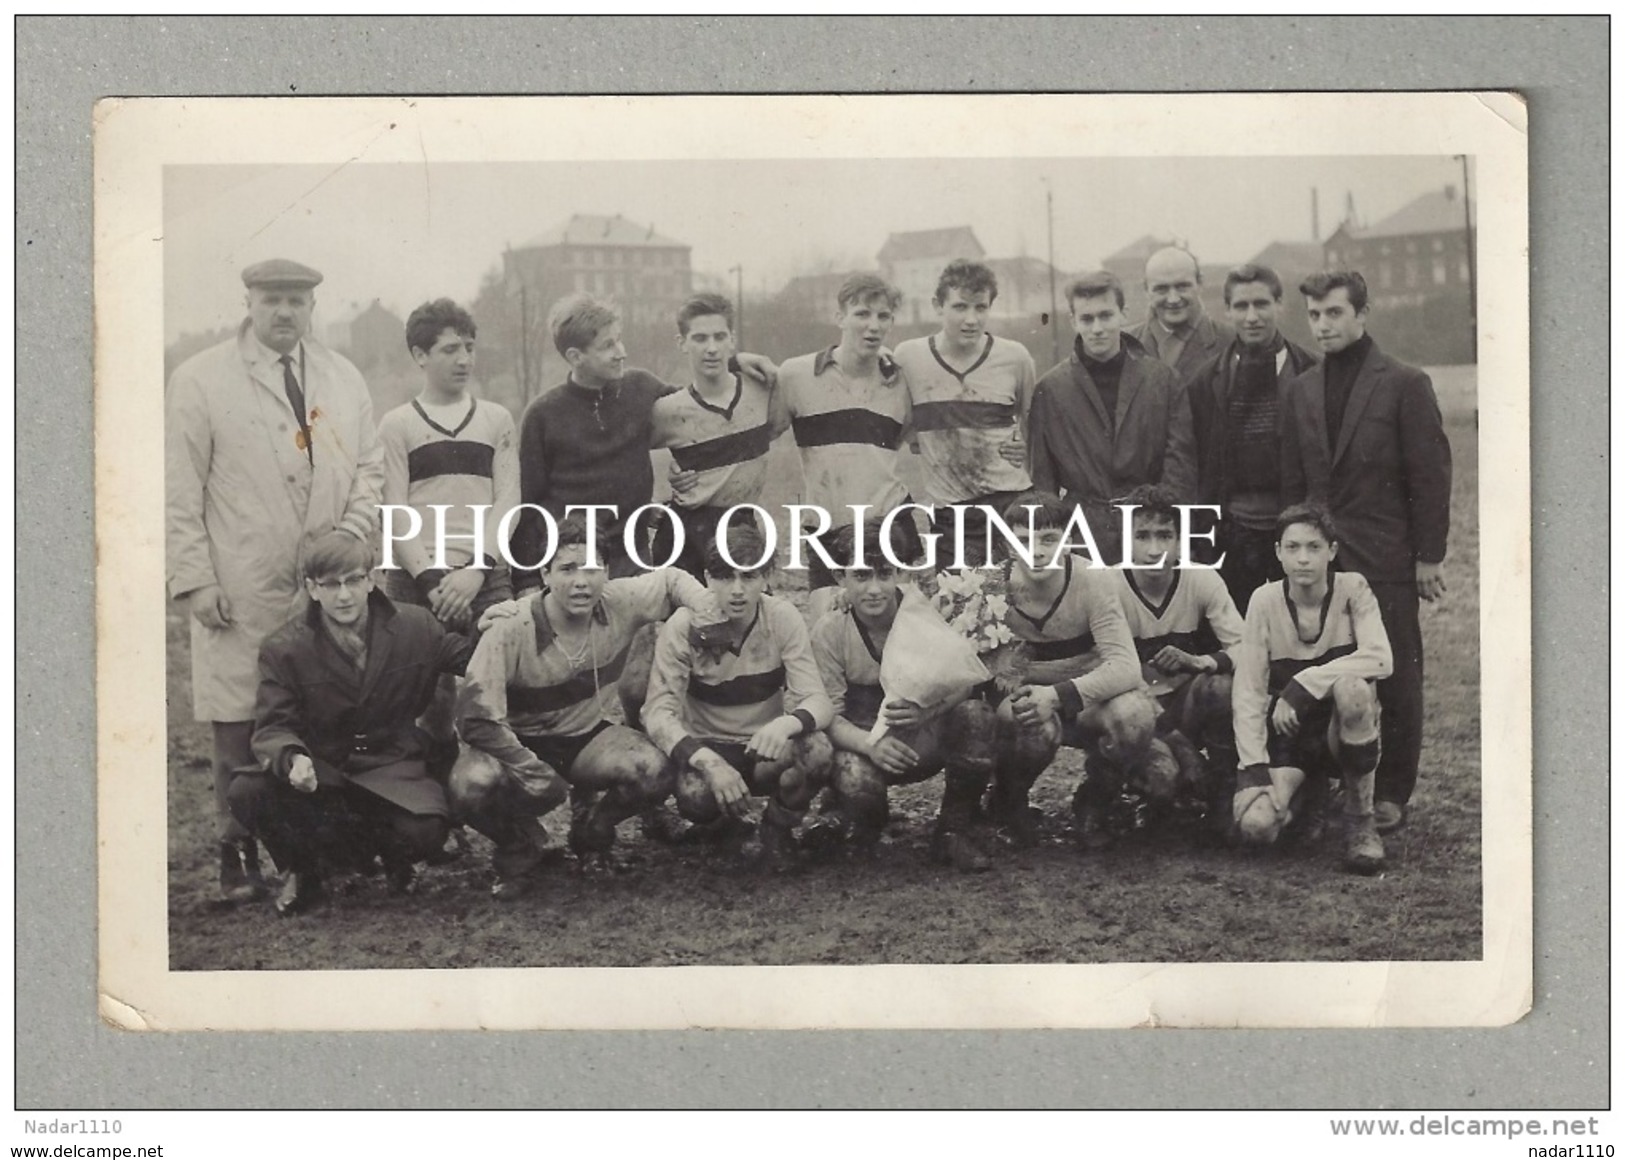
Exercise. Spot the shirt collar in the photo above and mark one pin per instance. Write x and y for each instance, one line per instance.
(265, 352)
(545, 633)
(825, 359)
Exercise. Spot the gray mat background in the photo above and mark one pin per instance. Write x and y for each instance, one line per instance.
(1556, 1058)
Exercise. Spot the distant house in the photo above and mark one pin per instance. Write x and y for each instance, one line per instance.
(645, 272)
(1419, 273)
(1024, 286)
(912, 261)
(378, 338)
(814, 294)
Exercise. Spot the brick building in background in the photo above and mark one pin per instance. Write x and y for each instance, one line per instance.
(1418, 267)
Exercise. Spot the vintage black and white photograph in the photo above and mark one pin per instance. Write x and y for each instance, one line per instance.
(1033, 549)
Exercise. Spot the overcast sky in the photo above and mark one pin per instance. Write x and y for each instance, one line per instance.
(405, 233)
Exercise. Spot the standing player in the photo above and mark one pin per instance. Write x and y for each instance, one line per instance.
(969, 392)
(746, 717)
(959, 743)
(1364, 436)
(587, 441)
(447, 447)
(1186, 631)
(848, 406)
(1082, 686)
(1110, 418)
(1237, 406)
(719, 430)
(1305, 697)
(533, 710)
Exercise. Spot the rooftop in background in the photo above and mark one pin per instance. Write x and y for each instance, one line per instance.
(589, 229)
(954, 241)
(1433, 213)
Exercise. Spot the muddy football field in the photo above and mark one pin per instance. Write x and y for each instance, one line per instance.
(1160, 895)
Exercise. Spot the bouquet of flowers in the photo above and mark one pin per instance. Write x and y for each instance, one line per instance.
(975, 603)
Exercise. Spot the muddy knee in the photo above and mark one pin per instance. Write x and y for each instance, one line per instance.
(814, 757)
(693, 795)
(475, 781)
(1355, 702)
(860, 788)
(1127, 725)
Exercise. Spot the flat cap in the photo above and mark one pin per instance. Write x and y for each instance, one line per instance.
(280, 272)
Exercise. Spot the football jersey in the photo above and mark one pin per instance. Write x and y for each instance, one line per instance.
(849, 664)
(521, 682)
(961, 417)
(1080, 645)
(1277, 660)
(1195, 615)
(727, 444)
(694, 694)
(847, 431)
(475, 461)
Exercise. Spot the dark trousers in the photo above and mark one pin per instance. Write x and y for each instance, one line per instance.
(340, 826)
(1401, 694)
(1249, 561)
(976, 528)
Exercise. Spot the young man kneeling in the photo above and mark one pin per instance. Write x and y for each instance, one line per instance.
(744, 716)
(958, 743)
(532, 713)
(346, 773)
(1082, 686)
(1305, 693)
(1186, 631)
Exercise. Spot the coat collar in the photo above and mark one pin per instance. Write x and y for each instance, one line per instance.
(1128, 386)
(1365, 384)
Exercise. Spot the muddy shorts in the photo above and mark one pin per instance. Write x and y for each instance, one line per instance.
(560, 752)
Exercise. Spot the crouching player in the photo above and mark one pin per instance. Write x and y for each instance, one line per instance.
(532, 711)
(1186, 631)
(1305, 693)
(848, 644)
(346, 774)
(1082, 685)
(746, 715)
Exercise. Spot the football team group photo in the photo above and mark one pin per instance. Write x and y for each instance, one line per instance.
(833, 562)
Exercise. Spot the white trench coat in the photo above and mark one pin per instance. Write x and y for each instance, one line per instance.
(235, 514)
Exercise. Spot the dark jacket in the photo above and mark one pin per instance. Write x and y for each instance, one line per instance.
(1209, 393)
(1208, 338)
(1387, 482)
(1074, 449)
(358, 728)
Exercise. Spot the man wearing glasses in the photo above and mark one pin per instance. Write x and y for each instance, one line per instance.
(344, 774)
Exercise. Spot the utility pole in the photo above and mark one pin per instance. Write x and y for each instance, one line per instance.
(1472, 279)
(1054, 331)
(739, 305)
(524, 345)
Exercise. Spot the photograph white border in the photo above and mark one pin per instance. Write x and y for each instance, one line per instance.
(135, 139)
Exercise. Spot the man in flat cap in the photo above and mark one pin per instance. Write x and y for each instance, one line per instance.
(269, 445)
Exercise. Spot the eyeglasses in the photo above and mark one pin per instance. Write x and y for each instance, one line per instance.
(350, 583)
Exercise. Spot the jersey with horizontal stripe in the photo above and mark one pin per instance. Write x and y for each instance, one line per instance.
(1081, 640)
(726, 444)
(1196, 615)
(728, 697)
(847, 430)
(1276, 661)
(521, 683)
(849, 664)
(473, 462)
(961, 418)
